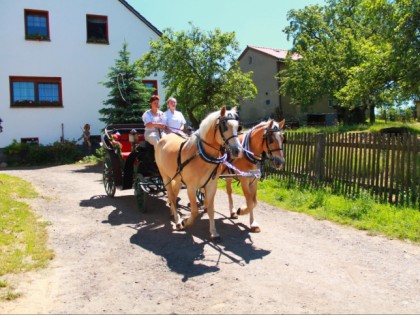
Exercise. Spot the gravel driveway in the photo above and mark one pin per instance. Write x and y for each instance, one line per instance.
(111, 259)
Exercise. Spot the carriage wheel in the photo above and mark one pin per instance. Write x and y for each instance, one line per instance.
(108, 177)
(200, 196)
(139, 193)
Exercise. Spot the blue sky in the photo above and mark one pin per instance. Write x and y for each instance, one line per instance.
(255, 22)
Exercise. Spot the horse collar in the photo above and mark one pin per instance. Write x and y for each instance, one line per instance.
(207, 158)
(248, 154)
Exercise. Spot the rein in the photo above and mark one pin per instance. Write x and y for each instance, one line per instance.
(252, 157)
(200, 151)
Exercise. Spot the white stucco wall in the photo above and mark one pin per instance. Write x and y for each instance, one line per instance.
(80, 65)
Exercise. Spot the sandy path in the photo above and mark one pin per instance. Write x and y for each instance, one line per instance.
(112, 259)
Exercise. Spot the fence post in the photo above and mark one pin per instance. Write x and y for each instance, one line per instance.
(319, 162)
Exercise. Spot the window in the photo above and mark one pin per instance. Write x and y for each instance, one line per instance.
(36, 25)
(35, 92)
(151, 84)
(97, 29)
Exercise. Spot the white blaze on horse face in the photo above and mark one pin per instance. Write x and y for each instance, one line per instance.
(235, 146)
(278, 155)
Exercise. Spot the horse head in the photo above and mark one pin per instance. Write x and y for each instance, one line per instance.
(274, 138)
(228, 127)
(221, 129)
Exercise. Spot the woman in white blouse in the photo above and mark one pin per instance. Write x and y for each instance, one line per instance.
(154, 121)
(175, 120)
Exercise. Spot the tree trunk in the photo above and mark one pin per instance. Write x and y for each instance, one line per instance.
(195, 123)
(371, 112)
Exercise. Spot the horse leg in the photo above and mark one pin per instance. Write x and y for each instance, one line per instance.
(193, 205)
(176, 187)
(172, 203)
(233, 215)
(253, 223)
(210, 194)
(249, 189)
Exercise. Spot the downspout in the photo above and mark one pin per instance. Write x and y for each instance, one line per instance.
(278, 88)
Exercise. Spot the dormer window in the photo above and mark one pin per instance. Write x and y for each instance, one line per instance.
(97, 29)
(36, 25)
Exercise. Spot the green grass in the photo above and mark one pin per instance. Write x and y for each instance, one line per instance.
(413, 127)
(23, 237)
(363, 212)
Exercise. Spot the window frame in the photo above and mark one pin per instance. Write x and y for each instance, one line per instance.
(37, 37)
(155, 85)
(93, 40)
(36, 103)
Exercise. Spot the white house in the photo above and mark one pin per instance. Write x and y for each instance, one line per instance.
(53, 56)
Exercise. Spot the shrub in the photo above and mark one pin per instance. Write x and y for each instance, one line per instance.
(38, 154)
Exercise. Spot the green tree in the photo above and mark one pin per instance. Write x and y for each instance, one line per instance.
(360, 53)
(199, 69)
(128, 97)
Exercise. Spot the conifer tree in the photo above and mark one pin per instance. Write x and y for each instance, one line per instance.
(128, 97)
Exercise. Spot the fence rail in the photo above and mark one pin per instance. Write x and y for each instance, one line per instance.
(386, 165)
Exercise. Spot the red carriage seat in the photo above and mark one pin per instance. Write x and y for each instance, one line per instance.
(125, 144)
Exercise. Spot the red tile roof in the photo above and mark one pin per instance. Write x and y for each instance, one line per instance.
(274, 52)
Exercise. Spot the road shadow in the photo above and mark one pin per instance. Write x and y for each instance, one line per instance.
(189, 253)
(125, 208)
(90, 168)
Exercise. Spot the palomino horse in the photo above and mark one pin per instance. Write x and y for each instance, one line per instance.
(196, 162)
(264, 139)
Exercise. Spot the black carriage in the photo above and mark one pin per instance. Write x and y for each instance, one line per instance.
(129, 163)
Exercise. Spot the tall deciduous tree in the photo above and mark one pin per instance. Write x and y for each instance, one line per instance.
(199, 69)
(128, 97)
(359, 53)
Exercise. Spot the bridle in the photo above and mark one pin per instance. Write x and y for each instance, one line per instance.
(222, 125)
(268, 138)
(269, 134)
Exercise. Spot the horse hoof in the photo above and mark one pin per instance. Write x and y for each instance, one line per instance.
(238, 212)
(255, 229)
(233, 215)
(216, 239)
(180, 227)
(184, 224)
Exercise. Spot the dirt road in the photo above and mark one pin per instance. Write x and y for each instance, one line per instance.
(112, 259)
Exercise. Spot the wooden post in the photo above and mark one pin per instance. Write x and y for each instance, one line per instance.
(319, 156)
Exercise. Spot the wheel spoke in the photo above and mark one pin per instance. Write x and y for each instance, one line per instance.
(108, 178)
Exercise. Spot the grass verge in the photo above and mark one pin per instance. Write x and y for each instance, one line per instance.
(361, 212)
(23, 237)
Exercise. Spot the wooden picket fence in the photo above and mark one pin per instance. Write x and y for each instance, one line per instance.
(385, 165)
